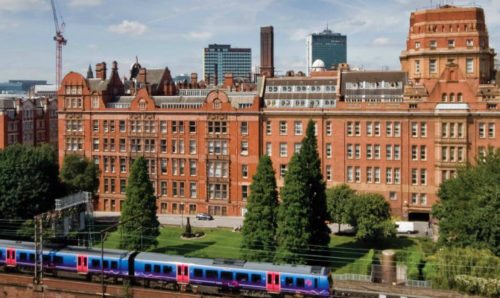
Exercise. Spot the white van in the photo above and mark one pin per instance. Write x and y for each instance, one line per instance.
(405, 227)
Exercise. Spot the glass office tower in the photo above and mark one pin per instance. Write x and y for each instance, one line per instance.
(330, 47)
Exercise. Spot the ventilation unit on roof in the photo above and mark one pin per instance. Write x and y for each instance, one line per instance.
(231, 262)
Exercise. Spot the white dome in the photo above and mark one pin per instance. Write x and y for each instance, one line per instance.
(318, 63)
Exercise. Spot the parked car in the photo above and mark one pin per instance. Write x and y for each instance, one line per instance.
(204, 216)
(405, 227)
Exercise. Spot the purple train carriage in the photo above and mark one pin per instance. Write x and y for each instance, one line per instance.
(199, 274)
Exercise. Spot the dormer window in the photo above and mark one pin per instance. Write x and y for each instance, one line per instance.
(142, 104)
(417, 45)
(217, 104)
(451, 43)
(433, 44)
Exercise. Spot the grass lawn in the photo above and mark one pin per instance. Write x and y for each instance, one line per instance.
(345, 254)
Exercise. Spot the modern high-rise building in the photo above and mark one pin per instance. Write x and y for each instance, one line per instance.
(329, 47)
(219, 59)
(267, 51)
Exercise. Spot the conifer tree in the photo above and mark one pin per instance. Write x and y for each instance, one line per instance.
(310, 162)
(259, 225)
(294, 232)
(140, 233)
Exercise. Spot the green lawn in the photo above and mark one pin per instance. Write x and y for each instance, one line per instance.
(345, 254)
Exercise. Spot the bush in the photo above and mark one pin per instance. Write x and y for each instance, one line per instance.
(488, 287)
(413, 261)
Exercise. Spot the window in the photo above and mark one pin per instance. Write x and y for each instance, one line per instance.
(423, 152)
(444, 153)
(244, 171)
(414, 198)
(433, 44)
(414, 178)
(369, 151)
(241, 276)
(460, 128)
(268, 127)
(95, 125)
(482, 130)
(123, 166)
(256, 278)
(244, 128)
(357, 128)
(244, 148)
(192, 189)
(96, 144)
(432, 66)
(459, 97)
(460, 153)
(414, 129)
(349, 128)
(192, 146)
(452, 153)
(283, 168)
(423, 129)
(469, 65)
(388, 152)
(283, 128)
(397, 176)
(163, 146)
(393, 196)
(198, 272)
(388, 175)
(289, 281)
(296, 147)
(357, 174)
(423, 199)
(388, 129)
(297, 127)
(211, 274)
(192, 126)
(163, 188)
(451, 43)
(192, 167)
(357, 151)
(349, 151)
(369, 175)
(163, 126)
(328, 173)
(452, 130)
(268, 148)
(283, 149)
(226, 275)
(417, 45)
(414, 152)
(167, 269)
(397, 129)
(491, 130)
(377, 128)
(377, 174)
(244, 192)
(369, 128)
(444, 97)
(300, 282)
(328, 128)
(147, 267)
(376, 151)
(423, 176)
(417, 66)
(350, 177)
(328, 150)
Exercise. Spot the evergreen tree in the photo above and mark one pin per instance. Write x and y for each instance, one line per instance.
(338, 198)
(259, 225)
(79, 174)
(311, 164)
(139, 233)
(293, 234)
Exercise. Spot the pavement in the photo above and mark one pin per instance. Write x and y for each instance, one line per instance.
(230, 222)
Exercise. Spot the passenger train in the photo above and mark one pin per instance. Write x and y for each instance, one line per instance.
(199, 274)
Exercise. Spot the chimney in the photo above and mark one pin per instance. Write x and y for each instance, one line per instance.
(100, 71)
(142, 76)
(228, 81)
(45, 104)
(207, 79)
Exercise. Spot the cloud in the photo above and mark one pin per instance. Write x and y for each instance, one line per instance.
(92, 46)
(193, 35)
(128, 27)
(22, 5)
(85, 2)
(381, 42)
(299, 34)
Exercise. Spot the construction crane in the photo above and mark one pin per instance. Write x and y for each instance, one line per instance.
(60, 41)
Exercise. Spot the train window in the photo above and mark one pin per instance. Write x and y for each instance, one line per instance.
(157, 268)
(96, 263)
(276, 279)
(242, 276)
(79, 261)
(211, 274)
(300, 282)
(289, 281)
(316, 283)
(179, 270)
(23, 256)
(114, 264)
(198, 272)
(269, 279)
(186, 270)
(167, 269)
(226, 275)
(84, 261)
(1, 254)
(32, 258)
(58, 260)
(147, 267)
(256, 278)
(105, 264)
(46, 259)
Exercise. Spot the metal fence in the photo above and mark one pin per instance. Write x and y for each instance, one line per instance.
(419, 283)
(349, 276)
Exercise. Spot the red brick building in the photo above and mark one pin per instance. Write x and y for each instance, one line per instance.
(398, 133)
(28, 121)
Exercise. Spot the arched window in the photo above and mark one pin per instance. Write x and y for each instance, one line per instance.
(452, 97)
(217, 104)
(459, 97)
(443, 97)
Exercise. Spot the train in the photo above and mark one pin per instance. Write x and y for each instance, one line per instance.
(198, 274)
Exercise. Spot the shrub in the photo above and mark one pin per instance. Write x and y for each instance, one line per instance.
(488, 287)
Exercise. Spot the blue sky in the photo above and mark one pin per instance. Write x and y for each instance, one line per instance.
(174, 33)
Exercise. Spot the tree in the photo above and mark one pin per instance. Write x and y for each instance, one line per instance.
(370, 215)
(311, 165)
(79, 174)
(29, 181)
(338, 198)
(468, 205)
(293, 234)
(259, 225)
(140, 201)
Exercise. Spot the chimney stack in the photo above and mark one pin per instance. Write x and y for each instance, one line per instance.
(267, 51)
(142, 76)
(194, 78)
(100, 71)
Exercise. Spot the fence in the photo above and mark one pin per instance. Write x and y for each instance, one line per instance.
(349, 276)
(419, 283)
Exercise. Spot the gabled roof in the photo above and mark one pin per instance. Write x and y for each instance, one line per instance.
(96, 85)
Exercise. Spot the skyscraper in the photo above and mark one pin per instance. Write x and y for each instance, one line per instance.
(267, 51)
(220, 59)
(330, 47)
